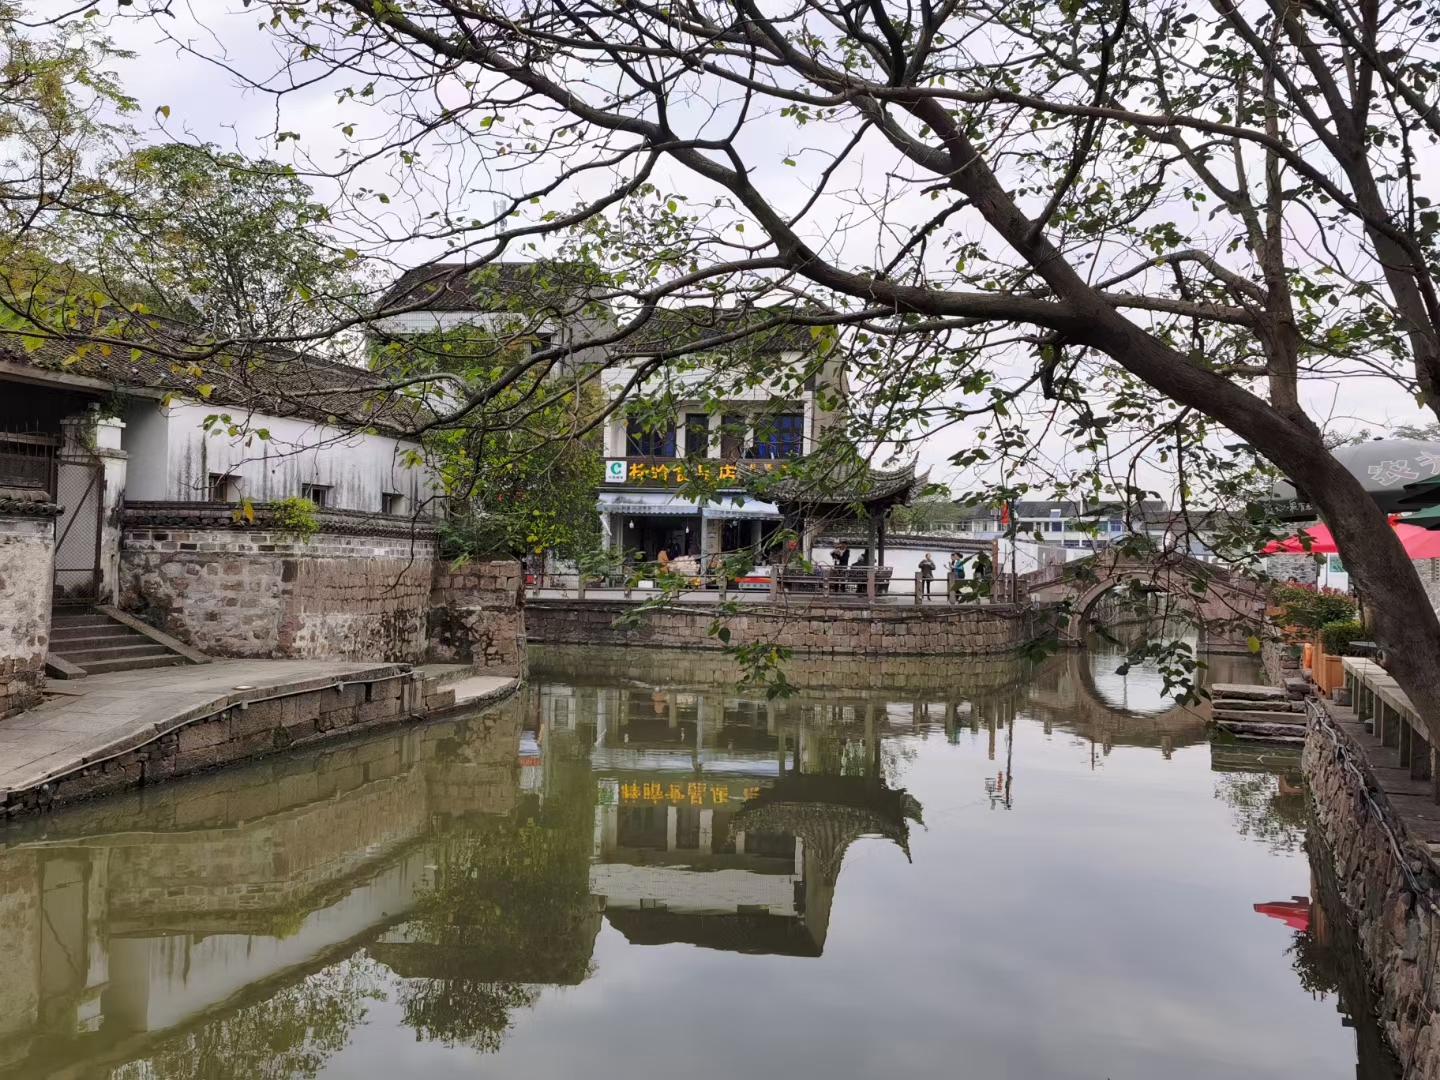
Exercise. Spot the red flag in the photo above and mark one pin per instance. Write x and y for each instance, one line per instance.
(1005, 514)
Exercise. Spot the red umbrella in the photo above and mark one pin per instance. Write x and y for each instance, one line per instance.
(1418, 543)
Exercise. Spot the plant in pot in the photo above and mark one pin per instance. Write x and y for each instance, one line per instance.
(1336, 641)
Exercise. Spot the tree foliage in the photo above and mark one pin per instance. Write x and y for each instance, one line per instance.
(1137, 230)
(234, 245)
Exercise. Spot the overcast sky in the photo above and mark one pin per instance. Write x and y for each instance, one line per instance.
(207, 103)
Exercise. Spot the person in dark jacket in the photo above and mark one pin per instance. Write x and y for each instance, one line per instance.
(927, 572)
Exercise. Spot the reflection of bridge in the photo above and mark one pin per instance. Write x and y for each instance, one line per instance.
(1227, 607)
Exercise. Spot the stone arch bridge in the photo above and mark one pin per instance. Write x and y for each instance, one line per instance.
(1227, 607)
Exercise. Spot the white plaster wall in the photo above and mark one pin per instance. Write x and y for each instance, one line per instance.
(684, 890)
(172, 457)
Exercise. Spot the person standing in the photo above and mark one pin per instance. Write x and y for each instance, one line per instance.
(927, 572)
(841, 558)
(957, 574)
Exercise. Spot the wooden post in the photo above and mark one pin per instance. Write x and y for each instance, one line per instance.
(580, 586)
(917, 588)
(870, 583)
(774, 580)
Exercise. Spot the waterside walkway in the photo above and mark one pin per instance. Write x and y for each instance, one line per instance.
(121, 730)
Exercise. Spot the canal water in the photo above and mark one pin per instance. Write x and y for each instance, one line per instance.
(908, 869)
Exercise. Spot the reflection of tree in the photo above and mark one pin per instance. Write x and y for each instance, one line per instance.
(463, 1010)
(1316, 964)
(511, 908)
(285, 1037)
(1262, 811)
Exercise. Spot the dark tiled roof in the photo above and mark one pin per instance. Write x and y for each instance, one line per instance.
(28, 507)
(673, 327)
(497, 286)
(273, 381)
(816, 483)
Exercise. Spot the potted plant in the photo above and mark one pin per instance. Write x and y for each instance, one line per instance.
(1336, 638)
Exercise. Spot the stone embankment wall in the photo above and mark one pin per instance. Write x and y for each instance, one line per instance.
(1396, 923)
(27, 580)
(242, 730)
(707, 668)
(357, 589)
(973, 630)
(477, 616)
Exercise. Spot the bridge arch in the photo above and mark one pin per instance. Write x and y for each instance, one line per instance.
(1228, 612)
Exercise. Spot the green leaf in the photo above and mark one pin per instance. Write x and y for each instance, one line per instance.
(1252, 643)
(204, 390)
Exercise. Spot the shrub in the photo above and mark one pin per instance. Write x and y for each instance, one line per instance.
(294, 516)
(1310, 609)
(1338, 635)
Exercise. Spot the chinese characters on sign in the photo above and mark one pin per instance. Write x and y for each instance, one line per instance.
(640, 472)
(690, 793)
(1387, 472)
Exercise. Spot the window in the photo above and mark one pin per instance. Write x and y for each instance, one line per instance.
(319, 494)
(781, 436)
(1117, 526)
(732, 437)
(1055, 526)
(223, 488)
(656, 442)
(393, 504)
(697, 434)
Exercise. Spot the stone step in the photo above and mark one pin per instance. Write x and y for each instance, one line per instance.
(1250, 716)
(1257, 705)
(86, 632)
(67, 645)
(100, 667)
(1248, 691)
(85, 619)
(1263, 731)
(141, 648)
(1287, 740)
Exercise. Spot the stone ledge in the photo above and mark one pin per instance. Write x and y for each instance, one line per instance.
(197, 515)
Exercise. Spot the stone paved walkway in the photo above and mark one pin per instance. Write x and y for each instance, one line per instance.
(103, 715)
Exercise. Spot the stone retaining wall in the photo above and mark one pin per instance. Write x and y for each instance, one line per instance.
(975, 629)
(233, 734)
(816, 674)
(1399, 936)
(359, 589)
(477, 616)
(27, 577)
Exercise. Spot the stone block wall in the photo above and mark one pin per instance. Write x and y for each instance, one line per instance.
(27, 581)
(965, 630)
(233, 733)
(1396, 924)
(357, 589)
(477, 616)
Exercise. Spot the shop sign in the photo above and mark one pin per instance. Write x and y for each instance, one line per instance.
(693, 794)
(615, 472)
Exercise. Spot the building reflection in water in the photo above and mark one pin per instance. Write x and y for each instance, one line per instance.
(723, 822)
(243, 924)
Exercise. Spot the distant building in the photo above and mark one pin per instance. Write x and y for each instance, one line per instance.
(750, 428)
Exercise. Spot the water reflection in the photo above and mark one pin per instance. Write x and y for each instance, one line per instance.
(455, 885)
